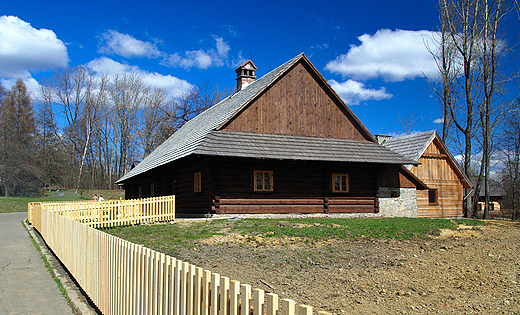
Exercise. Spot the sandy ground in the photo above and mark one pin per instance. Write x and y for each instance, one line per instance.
(470, 270)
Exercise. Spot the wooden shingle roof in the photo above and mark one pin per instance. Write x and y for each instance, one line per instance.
(292, 147)
(411, 146)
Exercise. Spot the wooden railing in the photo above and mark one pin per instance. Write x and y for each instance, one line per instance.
(121, 277)
(109, 213)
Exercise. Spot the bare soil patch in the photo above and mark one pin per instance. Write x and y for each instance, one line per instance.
(469, 270)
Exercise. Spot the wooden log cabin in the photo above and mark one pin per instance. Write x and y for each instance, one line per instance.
(285, 143)
(438, 169)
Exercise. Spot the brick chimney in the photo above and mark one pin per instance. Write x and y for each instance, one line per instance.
(245, 74)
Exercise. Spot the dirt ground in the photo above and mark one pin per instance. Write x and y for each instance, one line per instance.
(468, 271)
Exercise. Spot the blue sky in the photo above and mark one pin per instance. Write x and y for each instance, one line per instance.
(371, 52)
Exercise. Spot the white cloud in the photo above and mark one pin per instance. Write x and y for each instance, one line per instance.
(201, 59)
(24, 48)
(438, 121)
(392, 55)
(173, 85)
(353, 92)
(222, 47)
(113, 42)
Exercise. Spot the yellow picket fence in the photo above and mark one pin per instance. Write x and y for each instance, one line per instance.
(121, 277)
(110, 213)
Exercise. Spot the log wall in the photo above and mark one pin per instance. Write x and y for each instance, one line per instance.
(299, 187)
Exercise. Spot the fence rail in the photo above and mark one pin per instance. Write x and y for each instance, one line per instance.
(110, 213)
(121, 277)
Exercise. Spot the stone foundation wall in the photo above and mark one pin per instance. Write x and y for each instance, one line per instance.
(398, 202)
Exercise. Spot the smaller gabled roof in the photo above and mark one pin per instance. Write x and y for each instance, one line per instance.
(413, 146)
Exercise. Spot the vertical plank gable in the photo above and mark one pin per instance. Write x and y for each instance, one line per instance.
(437, 171)
(298, 103)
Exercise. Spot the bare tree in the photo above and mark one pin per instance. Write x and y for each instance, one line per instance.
(510, 148)
(408, 121)
(127, 94)
(493, 48)
(444, 54)
(95, 91)
(462, 24)
(104, 124)
(470, 61)
(151, 119)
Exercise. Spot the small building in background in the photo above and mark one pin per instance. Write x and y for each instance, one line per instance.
(496, 193)
(438, 169)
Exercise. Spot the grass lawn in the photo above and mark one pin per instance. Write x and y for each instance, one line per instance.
(19, 204)
(186, 234)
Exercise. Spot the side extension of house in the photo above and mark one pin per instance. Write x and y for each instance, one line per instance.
(438, 169)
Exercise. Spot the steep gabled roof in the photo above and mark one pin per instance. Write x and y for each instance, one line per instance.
(413, 146)
(191, 138)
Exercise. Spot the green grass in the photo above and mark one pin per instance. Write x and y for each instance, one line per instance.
(185, 235)
(19, 204)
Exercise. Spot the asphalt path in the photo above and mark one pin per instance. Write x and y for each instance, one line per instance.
(26, 286)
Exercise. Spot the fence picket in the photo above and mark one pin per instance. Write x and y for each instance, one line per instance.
(287, 307)
(224, 295)
(234, 297)
(215, 285)
(206, 292)
(190, 288)
(304, 310)
(258, 302)
(197, 298)
(245, 299)
(272, 304)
